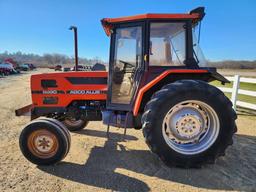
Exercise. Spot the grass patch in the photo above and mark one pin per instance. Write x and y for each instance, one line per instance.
(245, 86)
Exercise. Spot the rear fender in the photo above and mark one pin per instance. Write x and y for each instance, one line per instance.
(169, 76)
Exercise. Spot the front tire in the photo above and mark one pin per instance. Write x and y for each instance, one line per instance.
(43, 142)
(74, 124)
(61, 126)
(188, 123)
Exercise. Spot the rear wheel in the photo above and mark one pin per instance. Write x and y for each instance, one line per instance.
(43, 142)
(189, 123)
(74, 124)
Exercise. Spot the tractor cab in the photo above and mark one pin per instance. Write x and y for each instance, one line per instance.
(144, 47)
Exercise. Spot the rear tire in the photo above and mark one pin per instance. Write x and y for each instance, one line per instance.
(188, 123)
(43, 142)
(75, 125)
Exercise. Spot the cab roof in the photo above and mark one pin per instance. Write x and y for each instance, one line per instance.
(195, 15)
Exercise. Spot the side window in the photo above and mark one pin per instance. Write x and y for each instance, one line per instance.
(167, 44)
(198, 54)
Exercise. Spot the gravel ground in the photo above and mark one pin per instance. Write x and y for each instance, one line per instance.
(95, 163)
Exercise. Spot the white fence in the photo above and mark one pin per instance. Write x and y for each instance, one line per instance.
(235, 90)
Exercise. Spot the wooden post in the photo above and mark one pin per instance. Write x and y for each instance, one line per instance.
(236, 84)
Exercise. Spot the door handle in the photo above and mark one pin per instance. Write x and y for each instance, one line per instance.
(145, 58)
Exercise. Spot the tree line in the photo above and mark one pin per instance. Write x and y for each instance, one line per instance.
(46, 60)
(49, 60)
(230, 64)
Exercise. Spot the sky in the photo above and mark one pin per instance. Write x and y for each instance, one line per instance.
(41, 26)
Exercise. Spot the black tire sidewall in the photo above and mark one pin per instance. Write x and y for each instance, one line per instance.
(34, 126)
(76, 128)
(62, 126)
(171, 99)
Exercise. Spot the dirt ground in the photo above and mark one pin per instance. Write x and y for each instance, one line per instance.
(95, 163)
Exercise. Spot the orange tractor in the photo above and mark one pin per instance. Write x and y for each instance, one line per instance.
(157, 82)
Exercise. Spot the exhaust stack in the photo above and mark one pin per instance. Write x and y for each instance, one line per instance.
(74, 28)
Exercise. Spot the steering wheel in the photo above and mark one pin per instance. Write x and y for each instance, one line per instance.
(126, 66)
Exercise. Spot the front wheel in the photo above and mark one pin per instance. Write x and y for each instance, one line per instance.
(189, 123)
(44, 142)
(74, 124)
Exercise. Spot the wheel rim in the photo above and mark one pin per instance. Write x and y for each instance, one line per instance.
(190, 127)
(43, 144)
(73, 122)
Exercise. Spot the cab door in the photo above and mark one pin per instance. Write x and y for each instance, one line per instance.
(126, 62)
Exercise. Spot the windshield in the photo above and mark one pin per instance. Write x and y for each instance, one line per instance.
(198, 54)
